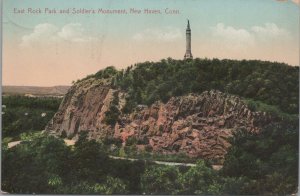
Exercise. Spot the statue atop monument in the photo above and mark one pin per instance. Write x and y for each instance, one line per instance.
(188, 52)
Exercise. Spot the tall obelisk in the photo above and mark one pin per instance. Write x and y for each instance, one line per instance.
(188, 52)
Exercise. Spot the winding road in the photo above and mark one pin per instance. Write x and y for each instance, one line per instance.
(72, 142)
(157, 162)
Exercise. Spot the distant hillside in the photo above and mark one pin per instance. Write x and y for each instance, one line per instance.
(35, 90)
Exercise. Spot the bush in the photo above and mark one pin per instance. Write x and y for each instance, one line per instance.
(131, 141)
(161, 180)
(111, 140)
(112, 115)
(63, 134)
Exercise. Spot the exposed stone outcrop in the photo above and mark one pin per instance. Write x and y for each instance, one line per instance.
(83, 109)
(197, 125)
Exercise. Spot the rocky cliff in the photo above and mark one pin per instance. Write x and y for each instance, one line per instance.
(197, 125)
(83, 108)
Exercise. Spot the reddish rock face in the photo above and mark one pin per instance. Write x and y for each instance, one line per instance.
(197, 125)
(83, 109)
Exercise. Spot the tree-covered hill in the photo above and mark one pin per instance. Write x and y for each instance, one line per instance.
(264, 163)
(268, 82)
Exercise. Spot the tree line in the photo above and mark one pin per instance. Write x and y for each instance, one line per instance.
(269, 82)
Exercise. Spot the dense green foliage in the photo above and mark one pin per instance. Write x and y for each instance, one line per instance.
(106, 73)
(269, 160)
(170, 180)
(277, 114)
(112, 115)
(256, 164)
(25, 114)
(44, 164)
(272, 83)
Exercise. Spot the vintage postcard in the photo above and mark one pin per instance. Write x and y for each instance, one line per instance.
(144, 97)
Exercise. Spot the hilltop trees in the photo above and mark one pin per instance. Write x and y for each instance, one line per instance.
(269, 82)
(272, 83)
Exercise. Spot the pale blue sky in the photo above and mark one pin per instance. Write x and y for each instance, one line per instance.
(234, 29)
(202, 13)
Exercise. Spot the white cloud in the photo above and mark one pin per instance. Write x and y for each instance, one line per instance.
(48, 33)
(270, 30)
(41, 32)
(73, 32)
(234, 38)
(167, 34)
